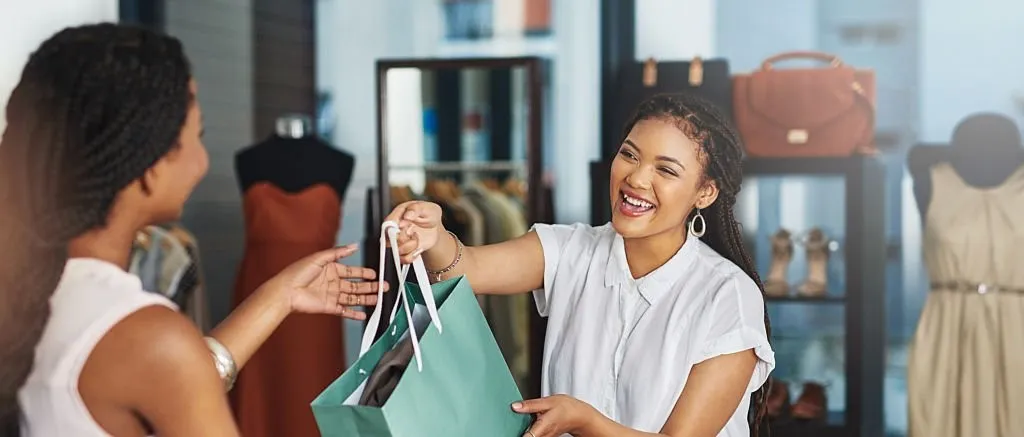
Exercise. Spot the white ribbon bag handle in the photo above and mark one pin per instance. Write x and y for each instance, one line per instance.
(389, 234)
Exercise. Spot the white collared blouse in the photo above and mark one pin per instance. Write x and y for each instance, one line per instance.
(626, 346)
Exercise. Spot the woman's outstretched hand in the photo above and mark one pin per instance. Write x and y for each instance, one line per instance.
(419, 225)
(319, 284)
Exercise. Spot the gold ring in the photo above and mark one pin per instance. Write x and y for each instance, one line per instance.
(531, 433)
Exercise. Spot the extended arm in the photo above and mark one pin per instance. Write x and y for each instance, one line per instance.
(510, 267)
(249, 325)
(315, 284)
(711, 396)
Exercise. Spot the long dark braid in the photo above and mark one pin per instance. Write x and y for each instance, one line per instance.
(96, 107)
(722, 155)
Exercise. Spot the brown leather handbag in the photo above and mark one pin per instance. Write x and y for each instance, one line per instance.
(806, 112)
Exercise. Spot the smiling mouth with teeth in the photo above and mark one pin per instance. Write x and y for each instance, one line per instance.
(636, 202)
(633, 206)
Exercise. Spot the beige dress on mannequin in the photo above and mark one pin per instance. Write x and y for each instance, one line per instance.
(966, 368)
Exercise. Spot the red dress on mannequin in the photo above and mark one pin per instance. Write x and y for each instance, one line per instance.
(306, 353)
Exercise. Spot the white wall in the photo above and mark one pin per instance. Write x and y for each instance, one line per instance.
(24, 26)
(747, 32)
(675, 29)
(970, 61)
(576, 111)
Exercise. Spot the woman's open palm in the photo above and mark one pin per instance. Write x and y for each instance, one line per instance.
(319, 284)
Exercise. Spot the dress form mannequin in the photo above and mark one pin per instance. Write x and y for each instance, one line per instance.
(294, 159)
(292, 186)
(963, 377)
(985, 151)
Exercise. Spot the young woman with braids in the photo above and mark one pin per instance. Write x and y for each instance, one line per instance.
(103, 138)
(656, 321)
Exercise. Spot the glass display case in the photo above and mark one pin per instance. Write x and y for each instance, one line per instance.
(814, 228)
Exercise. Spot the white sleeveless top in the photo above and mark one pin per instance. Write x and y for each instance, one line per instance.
(90, 299)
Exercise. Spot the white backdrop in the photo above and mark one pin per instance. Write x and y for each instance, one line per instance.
(23, 27)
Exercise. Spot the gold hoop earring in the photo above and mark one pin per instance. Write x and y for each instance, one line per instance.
(693, 225)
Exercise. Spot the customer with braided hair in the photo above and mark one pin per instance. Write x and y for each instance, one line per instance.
(102, 139)
(656, 321)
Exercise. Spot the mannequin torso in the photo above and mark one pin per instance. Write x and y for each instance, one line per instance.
(971, 198)
(294, 164)
(986, 150)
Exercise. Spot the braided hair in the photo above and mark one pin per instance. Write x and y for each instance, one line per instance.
(721, 155)
(96, 107)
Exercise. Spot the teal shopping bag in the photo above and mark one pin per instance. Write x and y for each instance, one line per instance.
(457, 384)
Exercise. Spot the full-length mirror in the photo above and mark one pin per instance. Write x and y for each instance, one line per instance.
(465, 134)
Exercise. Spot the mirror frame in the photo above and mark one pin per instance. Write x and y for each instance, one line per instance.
(534, 156)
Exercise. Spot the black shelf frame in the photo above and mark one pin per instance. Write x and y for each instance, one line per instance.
(864, 297)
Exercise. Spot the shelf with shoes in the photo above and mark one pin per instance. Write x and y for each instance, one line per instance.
(804, 415)
(829, 275)
(819, 254)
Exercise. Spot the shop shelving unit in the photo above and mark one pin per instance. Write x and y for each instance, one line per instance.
(863, 300)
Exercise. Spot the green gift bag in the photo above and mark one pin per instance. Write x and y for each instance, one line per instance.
(457, 384)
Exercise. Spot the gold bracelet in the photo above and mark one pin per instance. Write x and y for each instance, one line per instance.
(458, 257)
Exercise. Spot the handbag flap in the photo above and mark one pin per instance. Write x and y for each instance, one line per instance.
(802, 98)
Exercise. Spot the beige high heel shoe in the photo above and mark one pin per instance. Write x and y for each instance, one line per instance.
(777, 284)
(816, 284)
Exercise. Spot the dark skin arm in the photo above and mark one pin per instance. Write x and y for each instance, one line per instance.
(486, 267)
(712, 394)
(316, 284)
(154, 366)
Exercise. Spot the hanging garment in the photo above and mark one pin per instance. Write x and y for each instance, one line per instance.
(166, 260)
(494, 223)
(272, 394)
(475, 225)
(964, 376)
(508, 316)
(196, 306)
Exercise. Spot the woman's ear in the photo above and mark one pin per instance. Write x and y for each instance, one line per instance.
(707, 194)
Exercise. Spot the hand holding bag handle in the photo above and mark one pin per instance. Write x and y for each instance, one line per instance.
(833, 60)
(389, 234)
